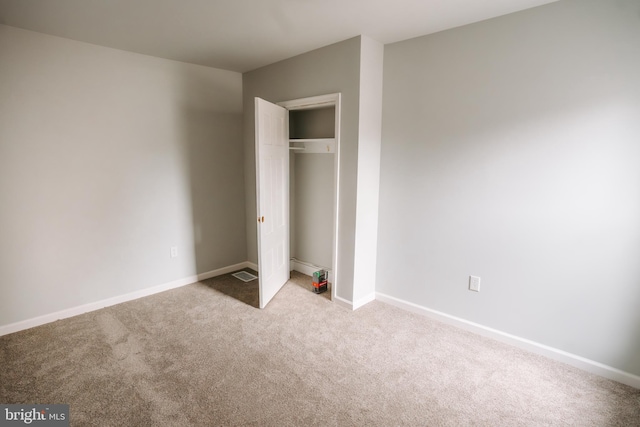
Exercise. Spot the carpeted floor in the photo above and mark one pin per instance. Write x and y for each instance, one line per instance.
(197, 356)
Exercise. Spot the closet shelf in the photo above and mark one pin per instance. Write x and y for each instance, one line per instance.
(313, 145)
(312, 140)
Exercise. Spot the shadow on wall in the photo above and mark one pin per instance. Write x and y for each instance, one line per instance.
(211, 121)
(631, 356)
(619, 408)
(634, 356)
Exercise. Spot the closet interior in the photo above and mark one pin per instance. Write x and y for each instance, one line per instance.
(312, 151)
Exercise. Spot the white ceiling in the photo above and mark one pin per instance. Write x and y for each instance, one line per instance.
(242, 35)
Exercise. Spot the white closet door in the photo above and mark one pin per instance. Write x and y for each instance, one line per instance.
(272, 188)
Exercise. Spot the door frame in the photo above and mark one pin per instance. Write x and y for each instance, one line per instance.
(329, 100)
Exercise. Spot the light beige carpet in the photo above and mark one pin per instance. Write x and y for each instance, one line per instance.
(196, 356)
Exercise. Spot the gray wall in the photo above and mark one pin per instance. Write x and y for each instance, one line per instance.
(327, 70)
(510, 151)
(107, 159)
(312, 230)
(312, 123)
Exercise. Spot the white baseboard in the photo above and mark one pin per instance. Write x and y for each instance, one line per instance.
(353, 306)
(364, 300)
(307, 268)
(532, 346)
(342, 302)
(85, 308)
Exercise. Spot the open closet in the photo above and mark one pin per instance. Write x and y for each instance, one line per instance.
(312, 146)
(297, 173)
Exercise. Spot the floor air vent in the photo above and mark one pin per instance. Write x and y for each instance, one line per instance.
(244, 276)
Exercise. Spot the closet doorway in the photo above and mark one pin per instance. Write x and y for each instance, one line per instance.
(311, 188)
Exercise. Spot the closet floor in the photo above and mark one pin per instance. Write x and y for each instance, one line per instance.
(248, 292)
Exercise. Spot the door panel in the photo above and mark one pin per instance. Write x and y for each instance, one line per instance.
(272, 188)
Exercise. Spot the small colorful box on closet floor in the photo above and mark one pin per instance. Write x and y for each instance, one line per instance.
(320, 281)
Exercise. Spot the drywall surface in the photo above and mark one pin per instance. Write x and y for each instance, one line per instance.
(331, 69)
(313, 208)
(369, 141)
(510, 152)
(313, 123)
(107, 159)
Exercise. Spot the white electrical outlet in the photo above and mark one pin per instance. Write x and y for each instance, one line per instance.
(474, 283)
(174, 252)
